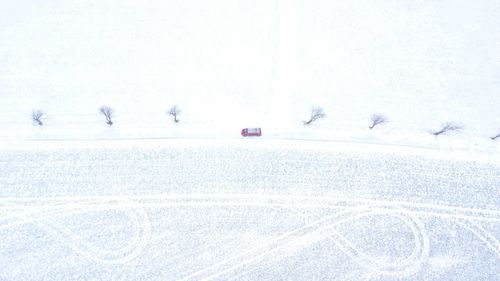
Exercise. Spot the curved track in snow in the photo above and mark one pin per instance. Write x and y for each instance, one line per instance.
(246, 211)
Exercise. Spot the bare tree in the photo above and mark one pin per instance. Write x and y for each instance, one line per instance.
(495, 137)
(174, 111)
(108, 113)
(37, 116)
(447, 127)
(376, 120)
(316, 113)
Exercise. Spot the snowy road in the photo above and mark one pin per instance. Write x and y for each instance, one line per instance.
(246, 210)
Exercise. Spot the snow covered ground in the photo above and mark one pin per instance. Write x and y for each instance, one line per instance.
(246, 210)
(148, 199)
(232, 64)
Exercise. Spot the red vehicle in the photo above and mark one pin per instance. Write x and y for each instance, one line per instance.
(250, 132)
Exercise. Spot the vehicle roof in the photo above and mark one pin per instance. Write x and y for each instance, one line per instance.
(253, 129)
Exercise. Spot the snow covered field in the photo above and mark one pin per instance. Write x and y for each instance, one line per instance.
(150, 199)
(246, 210)
(232, 64)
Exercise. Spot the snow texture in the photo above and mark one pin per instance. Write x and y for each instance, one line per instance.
(233, 64)
(147, 198)
(247, 210)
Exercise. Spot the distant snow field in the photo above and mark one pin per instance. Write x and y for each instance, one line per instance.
(233, 64)
(138, 196)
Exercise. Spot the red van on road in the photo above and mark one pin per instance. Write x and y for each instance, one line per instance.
(250, 132)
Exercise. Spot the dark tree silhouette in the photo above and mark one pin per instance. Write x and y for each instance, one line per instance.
(376, 120)
(108, 113)
(447, 127)
(316, 113)
(174, 111)
(37, 116)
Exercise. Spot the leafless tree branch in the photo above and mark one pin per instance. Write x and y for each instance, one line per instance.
(316, 113)
(108, 113)
(37, 116)
(495, 137)
(376, 120)
(447, 127)
(174, 111)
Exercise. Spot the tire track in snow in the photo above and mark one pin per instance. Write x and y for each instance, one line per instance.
(42, 212)
(44, 220)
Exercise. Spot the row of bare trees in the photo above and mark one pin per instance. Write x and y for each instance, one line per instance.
(316, 114)
(108, 112)
(379, 119)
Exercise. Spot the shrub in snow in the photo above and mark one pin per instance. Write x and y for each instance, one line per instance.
(174, 111)
(316, 113)
(37, 116)
(495, 137)
(448, 127)
(376, 120)
(108, 113)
